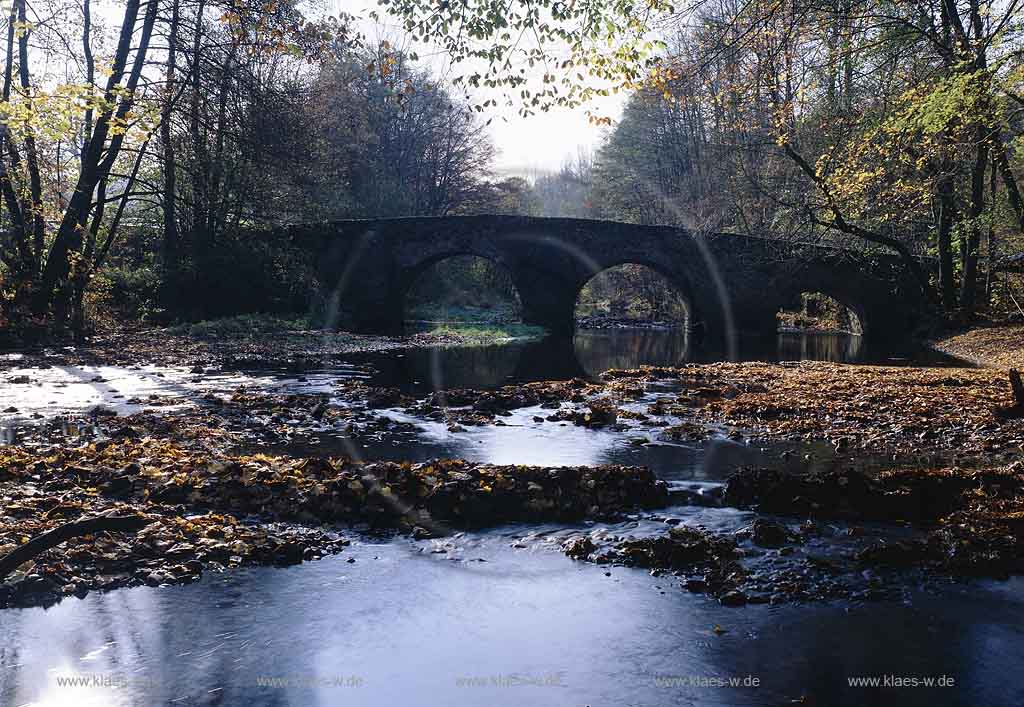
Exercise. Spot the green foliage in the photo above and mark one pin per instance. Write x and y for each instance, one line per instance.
(540, 54)
(484, 333)
(952, 101)
(241, 326)
(131, 292)
(434, 311)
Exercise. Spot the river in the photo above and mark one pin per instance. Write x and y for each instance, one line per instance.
(497, 617)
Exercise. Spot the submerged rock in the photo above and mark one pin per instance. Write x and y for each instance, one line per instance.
(895, 554)
(829, 494)
(595, 415)
(579, 547)
(768, 533)
(681, 549)
(733, 598)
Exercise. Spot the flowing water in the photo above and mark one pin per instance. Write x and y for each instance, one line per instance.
(495, 617)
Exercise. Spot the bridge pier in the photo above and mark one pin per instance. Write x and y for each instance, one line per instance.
(547, 301)
(756, 320)
(365, 313)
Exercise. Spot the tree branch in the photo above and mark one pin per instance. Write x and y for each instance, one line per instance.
(52, 538)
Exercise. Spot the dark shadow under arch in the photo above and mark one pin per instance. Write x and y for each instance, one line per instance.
(460, 287)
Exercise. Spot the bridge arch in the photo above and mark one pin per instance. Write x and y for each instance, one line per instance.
(733, 283)
(852, 291)
(677, 284)
(851, 316)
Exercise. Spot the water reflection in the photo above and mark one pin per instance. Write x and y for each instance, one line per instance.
(601, 349)
(416, 628)
(441, 368)
(589, 353)
(838, 348)
(597, 350)
(461, 366)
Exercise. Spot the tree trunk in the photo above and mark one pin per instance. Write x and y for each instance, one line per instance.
(31, 154)
(200, 205)
(947, 208)
(98, 158)
(170, 244)
(52, 538)
(972, 241)
(1009, 181)
(1016, 410)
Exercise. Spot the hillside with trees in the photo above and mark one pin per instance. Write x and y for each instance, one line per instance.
(133, 173)
(879, 127)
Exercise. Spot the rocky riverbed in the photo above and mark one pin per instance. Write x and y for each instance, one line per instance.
(230, 476)
(960, 523)
(899, 413)
(215, 511)
(218, 478)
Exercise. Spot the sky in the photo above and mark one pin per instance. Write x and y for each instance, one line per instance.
(542, 143)
(527, 147)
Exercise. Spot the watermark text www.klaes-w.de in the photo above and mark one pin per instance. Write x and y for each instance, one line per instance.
(116, 681)
(556, 679)
(891, 680)
(108, 681)
(707, 681)
(282, 682)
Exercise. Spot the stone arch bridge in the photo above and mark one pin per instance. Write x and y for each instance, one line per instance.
(732, 283)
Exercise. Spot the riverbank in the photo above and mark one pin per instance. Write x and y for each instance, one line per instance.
(248, 342)
(603, 322)
(996, 346)
(480, 334)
